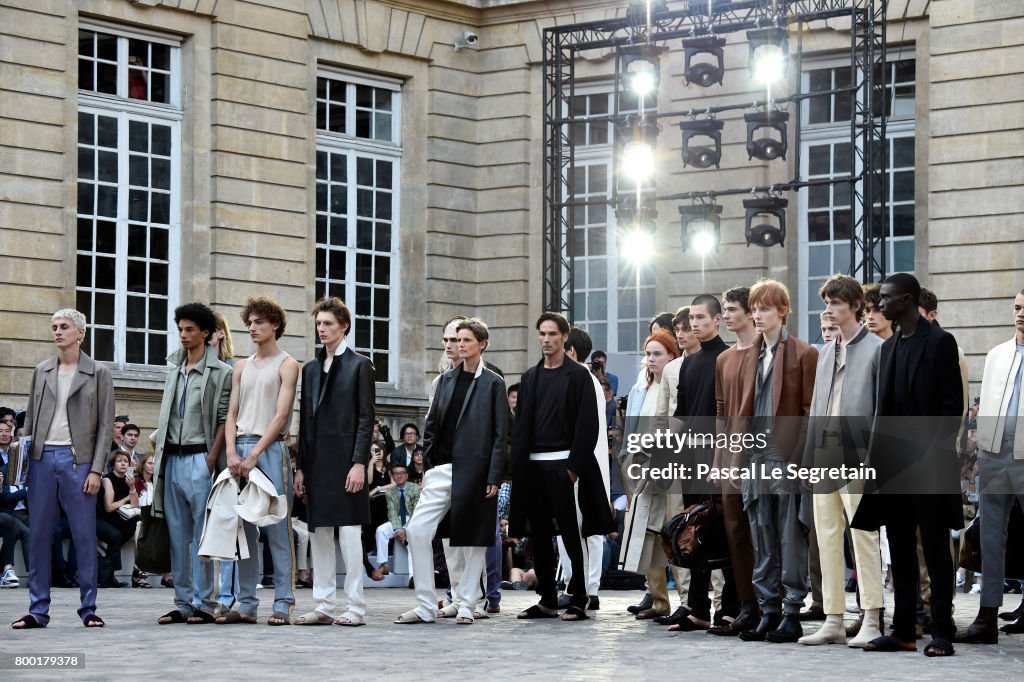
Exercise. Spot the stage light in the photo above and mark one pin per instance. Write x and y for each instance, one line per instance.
(766, 147)
(765, 232)
(631, 211)
(703, 73)
(702, 155)
(636, 245)
(701, 227)
(769, 48)
(640, 68)
(637, 161)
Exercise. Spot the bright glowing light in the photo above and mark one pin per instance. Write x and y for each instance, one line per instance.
(703, 241)
(638, 161)
(636, 246)
(769, 65)
(643, 82)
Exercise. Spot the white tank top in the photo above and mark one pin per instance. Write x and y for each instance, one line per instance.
(257, 396)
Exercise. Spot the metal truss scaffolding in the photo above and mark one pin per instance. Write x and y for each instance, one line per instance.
(681, 19)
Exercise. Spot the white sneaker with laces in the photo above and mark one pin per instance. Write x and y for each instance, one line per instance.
(9, 579)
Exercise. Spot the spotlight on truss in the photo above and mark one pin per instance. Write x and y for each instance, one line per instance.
(765, 221)
(707, 133)
(767, 147)
(701, 227)
(698, 71)
(768, 54)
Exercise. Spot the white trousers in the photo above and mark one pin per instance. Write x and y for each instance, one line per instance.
(594, 557)
(831, 514)
(325, 585)
(302, 544)
(384, 533)
(465, 564)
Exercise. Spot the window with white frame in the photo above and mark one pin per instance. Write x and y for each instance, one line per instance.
(128, 227)
(614, 300)
(827, 212)
(358, 159)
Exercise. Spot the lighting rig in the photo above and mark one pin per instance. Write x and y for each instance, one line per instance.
(640, 40)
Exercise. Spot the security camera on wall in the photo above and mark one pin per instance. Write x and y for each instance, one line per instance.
(469, 39)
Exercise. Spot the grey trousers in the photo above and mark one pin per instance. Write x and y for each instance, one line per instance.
(780, 543)
(1000, 479)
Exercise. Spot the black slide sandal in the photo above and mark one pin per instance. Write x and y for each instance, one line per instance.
(536, 611)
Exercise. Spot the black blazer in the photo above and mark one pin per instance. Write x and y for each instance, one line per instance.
(336, 418)
(479, 453)
(917, 454)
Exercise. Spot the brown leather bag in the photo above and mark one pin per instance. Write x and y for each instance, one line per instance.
(696, 536)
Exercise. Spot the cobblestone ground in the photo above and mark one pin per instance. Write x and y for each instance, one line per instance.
(610, 646)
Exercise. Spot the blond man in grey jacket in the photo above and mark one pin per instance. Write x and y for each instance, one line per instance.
(69, 421)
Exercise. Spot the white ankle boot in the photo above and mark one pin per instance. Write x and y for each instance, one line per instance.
(870, 629)
(831, 632)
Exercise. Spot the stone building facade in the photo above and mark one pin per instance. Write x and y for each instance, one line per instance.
(155, 152)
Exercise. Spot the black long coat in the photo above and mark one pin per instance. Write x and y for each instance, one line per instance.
(335, 428)
(581, 429)
(917, 454)
(479, 453)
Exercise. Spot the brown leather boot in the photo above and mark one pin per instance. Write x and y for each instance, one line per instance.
(984, 629)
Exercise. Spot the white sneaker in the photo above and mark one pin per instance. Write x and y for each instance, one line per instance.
(976, 589)
(9, 579)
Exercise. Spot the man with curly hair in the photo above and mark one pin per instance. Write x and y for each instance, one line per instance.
(259, 415)
(189, 438)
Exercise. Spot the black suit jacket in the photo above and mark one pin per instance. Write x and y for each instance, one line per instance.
(917, 455)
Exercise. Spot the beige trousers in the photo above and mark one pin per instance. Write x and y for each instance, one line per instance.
(832, 512)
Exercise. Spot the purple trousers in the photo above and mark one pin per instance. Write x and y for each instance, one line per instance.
(55, 479)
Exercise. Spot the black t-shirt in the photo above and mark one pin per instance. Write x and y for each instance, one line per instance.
(549, 427)
(442, 454)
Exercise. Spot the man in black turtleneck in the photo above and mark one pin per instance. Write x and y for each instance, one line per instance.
(695, 404)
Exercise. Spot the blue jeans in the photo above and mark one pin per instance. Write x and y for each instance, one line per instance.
(275, 463)
(55, 481)
(187, 483)
(226, 593)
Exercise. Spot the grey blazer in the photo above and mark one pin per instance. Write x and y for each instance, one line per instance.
(90, 410)
(857, 403)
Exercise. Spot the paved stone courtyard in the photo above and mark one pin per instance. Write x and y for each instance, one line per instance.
(610, 646)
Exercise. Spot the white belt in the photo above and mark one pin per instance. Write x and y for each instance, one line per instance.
(549, 456)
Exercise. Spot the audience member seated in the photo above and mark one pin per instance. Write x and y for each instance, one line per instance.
(13, 525)
(115, 523)
(129, 442)
(518, 564)
(403, 453)
(144, 489)
(401, 501)
(419, 466)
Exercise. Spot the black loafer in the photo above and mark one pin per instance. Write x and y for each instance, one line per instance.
(645, 603)
(595, 603)
(677, 617)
